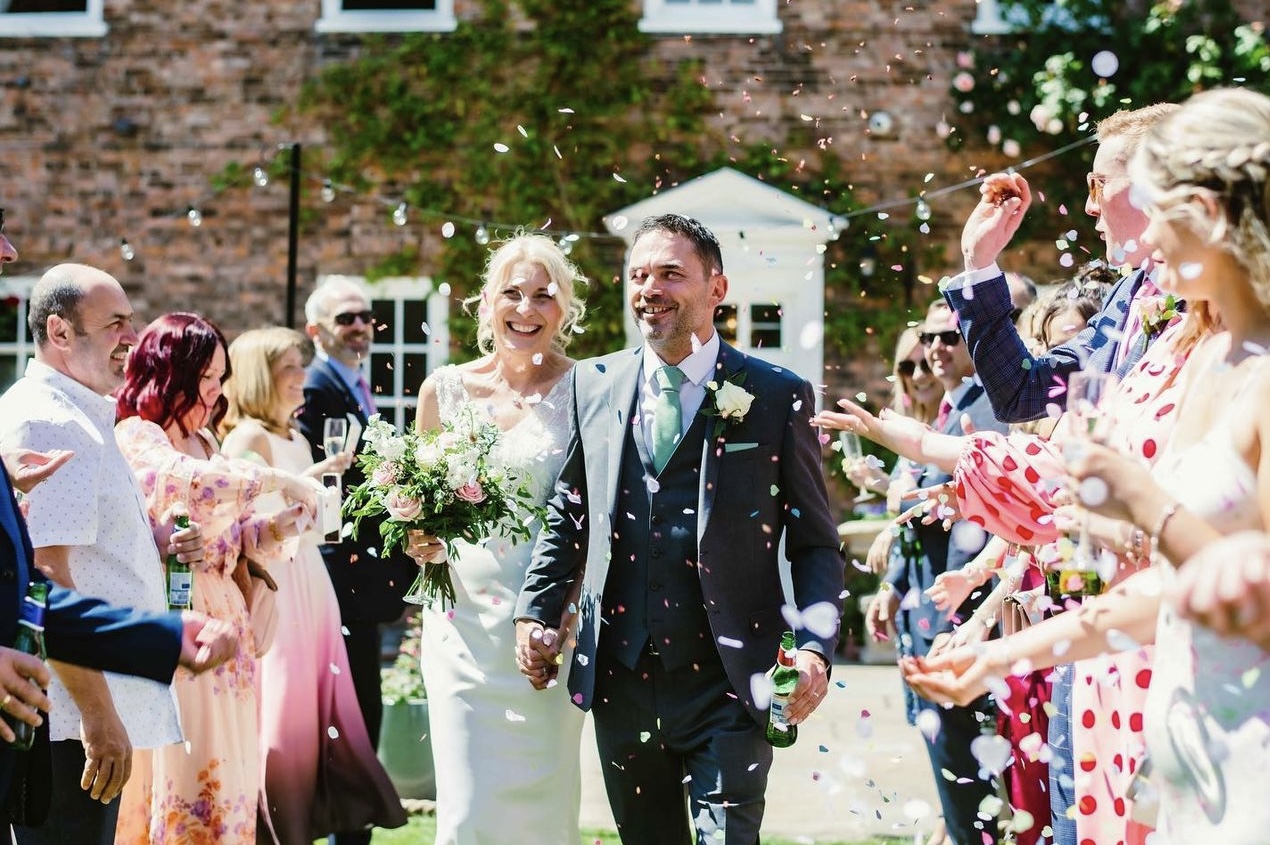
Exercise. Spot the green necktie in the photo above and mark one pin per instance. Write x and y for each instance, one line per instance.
(667, 415)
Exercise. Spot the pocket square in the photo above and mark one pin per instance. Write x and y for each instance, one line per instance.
(738, 447)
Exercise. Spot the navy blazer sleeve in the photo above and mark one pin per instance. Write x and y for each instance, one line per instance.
(1019, 384)
(88, 632)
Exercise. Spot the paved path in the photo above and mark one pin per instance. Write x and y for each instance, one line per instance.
(857, 770)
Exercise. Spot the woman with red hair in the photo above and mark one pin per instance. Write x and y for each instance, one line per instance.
(204, 790)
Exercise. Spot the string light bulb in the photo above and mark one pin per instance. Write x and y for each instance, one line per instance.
(923, 211)
(481, 236)
(260, 177)
(125, 250)
(328, 191)
(195, 216)
(399, 214)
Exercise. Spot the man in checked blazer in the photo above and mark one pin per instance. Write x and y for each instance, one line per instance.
(672, 517)
(1019, 384)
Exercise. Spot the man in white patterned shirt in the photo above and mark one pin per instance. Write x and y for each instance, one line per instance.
(91, 532)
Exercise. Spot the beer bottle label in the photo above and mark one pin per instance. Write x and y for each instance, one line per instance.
(776, 712)
(179, 586)
(32, 614)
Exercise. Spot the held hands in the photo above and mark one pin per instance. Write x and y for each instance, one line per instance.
(23, 679)
(27, 467)
(1004, 199)
(813, 683)
(956, 676)
(538, 652)
(205, 642)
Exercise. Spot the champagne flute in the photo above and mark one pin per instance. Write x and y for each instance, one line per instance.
(852, 451)
(334, 435)
(1079, 577)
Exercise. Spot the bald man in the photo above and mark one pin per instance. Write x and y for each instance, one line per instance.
(90, 532)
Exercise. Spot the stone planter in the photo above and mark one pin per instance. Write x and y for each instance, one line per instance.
(405, 749)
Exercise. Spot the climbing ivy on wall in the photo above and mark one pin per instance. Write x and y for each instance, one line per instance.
(592, 120)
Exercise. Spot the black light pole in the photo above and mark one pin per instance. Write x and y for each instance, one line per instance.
(293, 235)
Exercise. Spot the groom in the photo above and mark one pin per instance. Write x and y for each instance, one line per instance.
(686, 463)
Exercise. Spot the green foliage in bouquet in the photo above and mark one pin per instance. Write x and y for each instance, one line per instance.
(449, 483)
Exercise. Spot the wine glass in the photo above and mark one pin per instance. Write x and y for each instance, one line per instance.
(1085, 392)
(852, 451)
(334, 435)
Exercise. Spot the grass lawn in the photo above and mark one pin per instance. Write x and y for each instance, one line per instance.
(422, 828)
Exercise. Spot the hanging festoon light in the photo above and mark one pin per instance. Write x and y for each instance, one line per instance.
(260, 177)
(328, 191)
(481, 235)
(923, 211)
(567, 242)
(399, 214)
(125, 250)
(447, 229)
(194, 216)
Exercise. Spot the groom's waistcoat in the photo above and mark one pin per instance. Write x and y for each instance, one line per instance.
(653, 591)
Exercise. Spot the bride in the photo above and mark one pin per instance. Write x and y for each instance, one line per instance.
(506, 756)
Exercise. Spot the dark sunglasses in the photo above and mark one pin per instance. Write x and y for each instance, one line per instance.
(952, 337)
(347, 318)
(908, 367)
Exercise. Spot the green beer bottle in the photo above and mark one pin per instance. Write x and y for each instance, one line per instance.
(180, 578)
(784, 677)
(30, 640)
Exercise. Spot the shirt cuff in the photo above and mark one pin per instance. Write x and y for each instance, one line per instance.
(970, 278)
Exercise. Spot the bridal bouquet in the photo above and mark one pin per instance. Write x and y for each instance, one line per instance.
(447, 483)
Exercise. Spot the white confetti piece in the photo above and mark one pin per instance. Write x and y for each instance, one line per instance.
(730, 642)
(501, 148)
(513, 716)
(992, 752)
(333, 732)
(447, 229)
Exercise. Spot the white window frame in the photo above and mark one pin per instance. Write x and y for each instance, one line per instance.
(335, 19)
(721, 18)
(745, 322)
(90, 23)
(390, 399)
(21, 349)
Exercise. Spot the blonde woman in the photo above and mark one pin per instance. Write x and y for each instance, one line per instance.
(506, 756)
(319, 773)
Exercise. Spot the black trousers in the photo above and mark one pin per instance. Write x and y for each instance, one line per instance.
(74, 817)
(679, 752)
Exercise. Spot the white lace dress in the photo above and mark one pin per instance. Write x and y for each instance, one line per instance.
(506, 754)
(1207, 719)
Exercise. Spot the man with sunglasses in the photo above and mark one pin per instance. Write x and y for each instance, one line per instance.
(369, 587)
(918, 556)
(1018, 383)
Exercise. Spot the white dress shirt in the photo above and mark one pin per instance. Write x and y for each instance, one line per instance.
(698, 368)
(94, 506)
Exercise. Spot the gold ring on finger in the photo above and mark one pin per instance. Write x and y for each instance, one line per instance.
(4, 703)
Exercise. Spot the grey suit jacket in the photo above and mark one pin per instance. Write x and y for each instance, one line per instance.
(760, 478)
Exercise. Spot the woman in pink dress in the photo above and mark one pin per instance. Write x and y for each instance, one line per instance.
(206, 789)
(320, 774)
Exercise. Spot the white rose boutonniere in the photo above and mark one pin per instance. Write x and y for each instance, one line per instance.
(727, 402)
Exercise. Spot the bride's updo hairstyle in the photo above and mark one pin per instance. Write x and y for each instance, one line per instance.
(564, 277)
(1217, 146)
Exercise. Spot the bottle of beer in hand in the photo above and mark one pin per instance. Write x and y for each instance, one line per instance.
(30, 640)
(180, 578)
(784, 677)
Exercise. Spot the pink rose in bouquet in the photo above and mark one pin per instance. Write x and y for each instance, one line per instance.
(401, 506)
(471, 492)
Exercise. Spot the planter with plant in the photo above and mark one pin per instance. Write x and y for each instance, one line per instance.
(405, 742)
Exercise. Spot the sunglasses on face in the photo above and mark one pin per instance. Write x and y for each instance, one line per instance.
(908, 367)
(951, 337)
(347, 318)
(1097, 184)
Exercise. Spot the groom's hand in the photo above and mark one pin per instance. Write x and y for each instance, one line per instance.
(813, 683)
(537, 652)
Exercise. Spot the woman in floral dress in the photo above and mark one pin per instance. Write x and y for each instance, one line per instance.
(206, 789)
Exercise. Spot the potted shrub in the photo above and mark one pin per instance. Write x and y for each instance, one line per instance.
(405, 746)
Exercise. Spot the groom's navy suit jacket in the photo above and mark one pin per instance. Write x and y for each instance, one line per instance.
(1020, 385)
(760, 478)
(80, 630)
